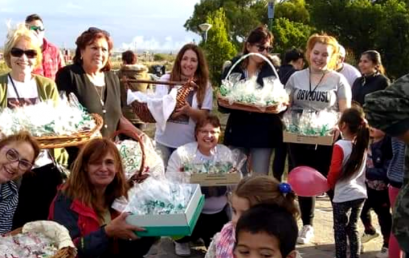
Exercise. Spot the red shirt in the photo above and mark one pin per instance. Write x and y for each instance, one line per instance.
(51, 62)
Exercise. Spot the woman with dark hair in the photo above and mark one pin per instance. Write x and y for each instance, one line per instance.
(17, 155)
(255, 133)
(131, 70)
(372, 79)
(190, 64)
(83, 205)
(95, 86)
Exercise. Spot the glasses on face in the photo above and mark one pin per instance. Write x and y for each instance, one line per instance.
(18, 52)
(13, 156)
(212, 132)
(37, 28)
(97, 30)
(262, 48)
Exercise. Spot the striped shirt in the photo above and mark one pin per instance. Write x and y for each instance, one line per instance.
(396, 168)
(8, 205)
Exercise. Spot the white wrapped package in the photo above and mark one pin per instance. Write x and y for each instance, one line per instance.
(160, 106)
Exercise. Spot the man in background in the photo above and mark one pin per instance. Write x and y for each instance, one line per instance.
(347, 70)
(52, 58)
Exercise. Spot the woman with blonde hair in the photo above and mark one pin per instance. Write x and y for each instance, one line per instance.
(83, 205)
(22, 87)
(316, 88)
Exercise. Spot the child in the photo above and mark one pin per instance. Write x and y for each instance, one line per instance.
(347, 178)
(249, 192)
(378, 160)
(266, 231)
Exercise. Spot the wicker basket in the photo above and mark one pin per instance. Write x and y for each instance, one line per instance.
(139, 176)
(274, 109)
(62, 141)
(223, 102)
(141, 109)
(66, 252)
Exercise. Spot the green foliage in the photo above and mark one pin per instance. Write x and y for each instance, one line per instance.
(364, 24)
(218, 49)
(289, 34)
(358, 25)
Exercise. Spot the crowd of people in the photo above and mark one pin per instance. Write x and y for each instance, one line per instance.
(365, 166)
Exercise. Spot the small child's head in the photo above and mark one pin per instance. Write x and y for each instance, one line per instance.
(266, 231)
(354, 125)
(258, 189)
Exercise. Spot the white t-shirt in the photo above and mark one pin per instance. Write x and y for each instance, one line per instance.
(333, 88)
(27, 91)
(354, 188)
(180, 132)
(189, 152)
(350, 73)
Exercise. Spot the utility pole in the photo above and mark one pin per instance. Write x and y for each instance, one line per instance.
(270, 13)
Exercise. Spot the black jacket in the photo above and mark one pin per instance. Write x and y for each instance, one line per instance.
(285, 72)
(368, 84)
(250, 129)
(381, 158)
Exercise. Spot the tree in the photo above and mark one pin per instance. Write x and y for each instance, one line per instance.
(218, 48)
(289, 34)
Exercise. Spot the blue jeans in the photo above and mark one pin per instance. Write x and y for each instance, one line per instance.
(259, 159)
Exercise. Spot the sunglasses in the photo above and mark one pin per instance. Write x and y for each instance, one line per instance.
(36, 28)
(97, 30)
(17, 52)
(13, 156)
(261, 48)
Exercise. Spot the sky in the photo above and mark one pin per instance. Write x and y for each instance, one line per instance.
(155, 25)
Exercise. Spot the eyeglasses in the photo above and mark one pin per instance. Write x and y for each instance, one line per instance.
(13, 156)
(97, 30)
(37, 28)
(17, 52)
(261, 48)
(212, 132)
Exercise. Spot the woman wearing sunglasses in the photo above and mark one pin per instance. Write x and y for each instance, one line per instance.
(17, 155)
(97, 88)
(255, 133)
(21, 87)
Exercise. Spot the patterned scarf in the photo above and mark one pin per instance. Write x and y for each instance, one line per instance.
(226, 240)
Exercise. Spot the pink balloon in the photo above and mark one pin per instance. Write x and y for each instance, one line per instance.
(307, 182)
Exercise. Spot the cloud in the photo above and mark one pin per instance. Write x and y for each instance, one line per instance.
(154, 44)
(71, 5)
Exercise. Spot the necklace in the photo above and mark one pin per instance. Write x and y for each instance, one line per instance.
(319, 82)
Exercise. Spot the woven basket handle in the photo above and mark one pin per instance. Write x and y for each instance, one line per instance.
(138, 177)
(253, 54)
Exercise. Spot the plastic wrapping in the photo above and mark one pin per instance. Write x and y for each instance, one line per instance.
(156, 196)
(309, 122)
(250, 92)
(46, 118)
(131, 155)
(38, 239)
